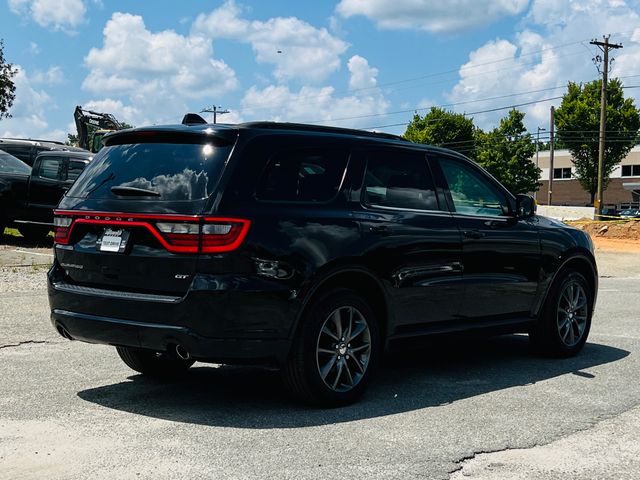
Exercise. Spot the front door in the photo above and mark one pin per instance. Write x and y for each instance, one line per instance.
(500, 253)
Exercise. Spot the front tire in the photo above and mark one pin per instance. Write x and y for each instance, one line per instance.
(335, 352)
(564, 325)
(153, 364)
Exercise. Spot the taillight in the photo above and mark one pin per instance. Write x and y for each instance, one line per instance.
(178, 234)
(223, 235)
(61, 227)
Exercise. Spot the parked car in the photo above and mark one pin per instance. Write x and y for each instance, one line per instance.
(27, 150)
(29, 195)
(630, 213)
(312, 248)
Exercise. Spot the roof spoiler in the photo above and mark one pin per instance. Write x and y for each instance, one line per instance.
(193, 119)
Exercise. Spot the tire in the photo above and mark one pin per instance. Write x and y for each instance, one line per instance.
(154, 364)
(565, 321)
(35, 234)
(335, 351)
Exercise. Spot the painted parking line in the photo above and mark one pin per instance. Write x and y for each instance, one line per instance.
(33, 253)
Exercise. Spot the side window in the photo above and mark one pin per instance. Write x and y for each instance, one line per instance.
(399, 179)
(303, 175)
(75, 169)
(51, 167)
(471, 192)
(19, 151)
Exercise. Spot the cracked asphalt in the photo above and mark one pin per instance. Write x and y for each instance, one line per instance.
(69, 410)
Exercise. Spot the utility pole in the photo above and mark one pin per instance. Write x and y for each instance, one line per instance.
(535, 194)
(215, 110)
(551, 125)
(605, 47)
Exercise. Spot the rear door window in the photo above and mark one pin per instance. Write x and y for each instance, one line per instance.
(171, 171)
(75, 169)
(303, 175)
(399, 179)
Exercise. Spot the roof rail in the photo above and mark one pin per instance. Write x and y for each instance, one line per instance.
(4, 139)
(321, 128)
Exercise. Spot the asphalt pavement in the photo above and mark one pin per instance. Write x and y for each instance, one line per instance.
(461, 409)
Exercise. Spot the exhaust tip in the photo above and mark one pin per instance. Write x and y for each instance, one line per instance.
(63, 332)
(182, 352)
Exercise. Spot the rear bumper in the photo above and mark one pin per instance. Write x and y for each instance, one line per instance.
(153, 336)
(223, 319)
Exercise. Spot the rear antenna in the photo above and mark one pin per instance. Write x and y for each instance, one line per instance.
(193, 119)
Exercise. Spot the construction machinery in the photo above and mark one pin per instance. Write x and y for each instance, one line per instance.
(92, 126)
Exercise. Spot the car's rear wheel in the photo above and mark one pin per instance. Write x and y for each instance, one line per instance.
(155, 364)
(34, 233)
(335, 351)
(564, 325)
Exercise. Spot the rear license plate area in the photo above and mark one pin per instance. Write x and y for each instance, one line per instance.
(113, 240)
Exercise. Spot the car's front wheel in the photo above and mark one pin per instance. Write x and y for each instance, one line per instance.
(335, 352)
(155, 364)
(564, 325)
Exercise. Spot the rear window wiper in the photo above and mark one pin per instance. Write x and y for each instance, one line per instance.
(133, 191)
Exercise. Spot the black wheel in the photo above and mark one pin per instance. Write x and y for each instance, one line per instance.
(564, 325)
(155, 364)
(335, 351)
(36, 234)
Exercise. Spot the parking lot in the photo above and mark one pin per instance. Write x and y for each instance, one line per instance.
(460, 409)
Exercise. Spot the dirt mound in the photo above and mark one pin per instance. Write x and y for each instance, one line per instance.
(619, 230)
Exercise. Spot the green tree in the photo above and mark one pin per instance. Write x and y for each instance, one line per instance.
(578, 123)
(72, 140)
(506, 153)
(7, 87)
(442, 128)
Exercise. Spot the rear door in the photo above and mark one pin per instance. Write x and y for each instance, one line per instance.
(500, 253)
(132, 221)
(412, 242)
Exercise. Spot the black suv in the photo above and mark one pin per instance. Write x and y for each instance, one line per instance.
(313, 248)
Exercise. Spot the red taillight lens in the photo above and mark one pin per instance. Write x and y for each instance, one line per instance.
(184, 235)
(62, 229)
(223, 234)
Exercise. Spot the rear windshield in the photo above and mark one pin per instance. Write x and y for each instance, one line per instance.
(170, 171)
(10, 164)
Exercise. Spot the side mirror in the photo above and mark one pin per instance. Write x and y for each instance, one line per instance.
(525, 206)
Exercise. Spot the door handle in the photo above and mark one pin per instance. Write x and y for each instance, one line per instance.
(380, 230)
(474, 234)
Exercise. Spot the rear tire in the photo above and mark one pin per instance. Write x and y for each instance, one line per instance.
(335, 352)
(565, 321)
(154, 364)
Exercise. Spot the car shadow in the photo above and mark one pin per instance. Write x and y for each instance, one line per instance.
(437, 374)
(20, 241)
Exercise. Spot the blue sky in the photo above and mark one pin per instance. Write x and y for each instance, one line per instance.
(353, 63)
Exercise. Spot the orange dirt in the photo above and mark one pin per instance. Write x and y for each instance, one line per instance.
(618, 236)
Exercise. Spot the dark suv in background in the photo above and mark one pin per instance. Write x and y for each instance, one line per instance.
(313, 248)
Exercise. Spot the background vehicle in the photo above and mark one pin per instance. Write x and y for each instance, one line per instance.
(313, 248)
(630, 213)
(92, 126)
(27, 150)
(29, 195)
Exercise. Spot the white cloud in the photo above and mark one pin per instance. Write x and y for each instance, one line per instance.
(53, 76)
(29, 112)
(431, 15)
(34, 49)
(297, 49)
(551, 49)
(62, 15)
(157, 73)
(319, 104)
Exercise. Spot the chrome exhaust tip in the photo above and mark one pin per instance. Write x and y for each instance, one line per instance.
(182, 352)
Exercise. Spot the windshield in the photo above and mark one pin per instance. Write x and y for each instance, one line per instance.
(10, 164)
(167, 171)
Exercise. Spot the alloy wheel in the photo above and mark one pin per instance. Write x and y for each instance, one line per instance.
(572, 313)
